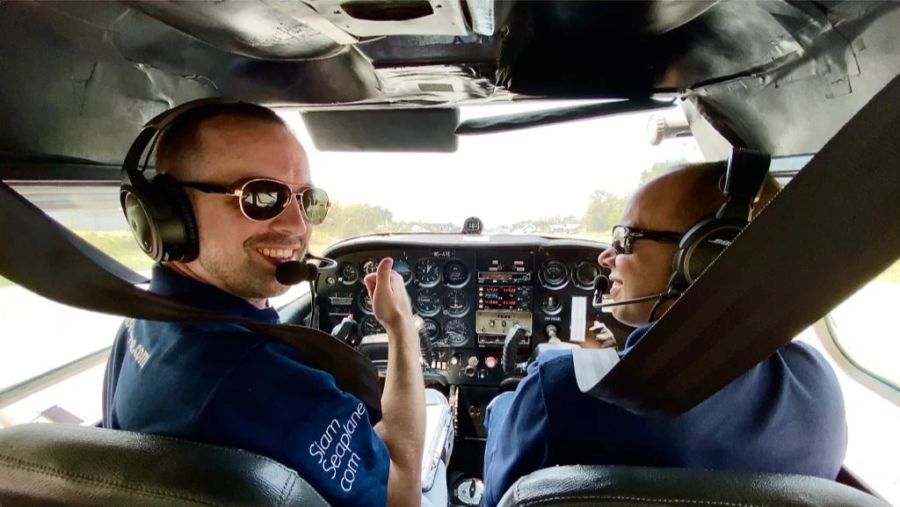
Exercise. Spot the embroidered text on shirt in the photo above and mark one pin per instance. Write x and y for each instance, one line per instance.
(336, 460)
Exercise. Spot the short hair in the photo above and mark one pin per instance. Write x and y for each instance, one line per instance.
(704, 194)
(179, 141)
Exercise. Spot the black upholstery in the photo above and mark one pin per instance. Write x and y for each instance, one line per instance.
(639, 486)
(61, 464)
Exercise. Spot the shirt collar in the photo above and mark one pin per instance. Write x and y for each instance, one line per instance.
(636, 335)
(170, 284)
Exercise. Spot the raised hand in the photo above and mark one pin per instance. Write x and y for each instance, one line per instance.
(389, 299)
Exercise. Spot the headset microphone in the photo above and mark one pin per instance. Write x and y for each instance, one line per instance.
(294, 272)
(601, 287)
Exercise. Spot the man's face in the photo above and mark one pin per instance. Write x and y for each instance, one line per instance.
(647, 269)
(231, 245)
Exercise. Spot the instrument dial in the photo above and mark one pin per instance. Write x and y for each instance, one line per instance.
(554, 273)
(456, 303)
(364, 302)
(457, 333)
(402, 267)
(369, 326)
(456, 274)
(431, 330)
(369, 266)
(428, 273)
(469, 491)
(584, 274)
(349, 274)
(428, 302)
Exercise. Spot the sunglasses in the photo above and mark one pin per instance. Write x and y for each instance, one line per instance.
(263, 199)
(623, 237)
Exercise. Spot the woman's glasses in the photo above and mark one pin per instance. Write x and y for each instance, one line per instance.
(263, 199)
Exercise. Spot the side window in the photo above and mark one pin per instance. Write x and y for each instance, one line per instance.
(52, 356)
(864, 327)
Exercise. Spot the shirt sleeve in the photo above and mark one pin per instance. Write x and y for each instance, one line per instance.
(521, 443)
(274, 405)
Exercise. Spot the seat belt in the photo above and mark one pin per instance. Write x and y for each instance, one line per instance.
(55, 263)
(830, 230)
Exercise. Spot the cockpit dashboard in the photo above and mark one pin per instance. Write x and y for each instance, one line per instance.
(469, 291)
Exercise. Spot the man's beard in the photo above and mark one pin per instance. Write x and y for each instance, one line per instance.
(248, 278)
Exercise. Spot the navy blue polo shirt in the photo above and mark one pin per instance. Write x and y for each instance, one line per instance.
(222, 384)
(784, 415)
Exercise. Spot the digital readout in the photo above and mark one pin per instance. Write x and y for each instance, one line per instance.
(504, 297)
(503, 277)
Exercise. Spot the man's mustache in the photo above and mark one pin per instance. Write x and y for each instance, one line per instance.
(287, 241)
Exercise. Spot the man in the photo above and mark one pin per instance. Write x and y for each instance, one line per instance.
(222, 384)
(784, 415)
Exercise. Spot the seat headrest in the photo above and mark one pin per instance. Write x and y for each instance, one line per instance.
(62, 464)
(642, 486)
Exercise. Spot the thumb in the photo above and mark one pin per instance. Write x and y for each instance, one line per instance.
(383, 274)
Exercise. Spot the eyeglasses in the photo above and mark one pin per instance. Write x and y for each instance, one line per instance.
(623, 237)
(263, 199)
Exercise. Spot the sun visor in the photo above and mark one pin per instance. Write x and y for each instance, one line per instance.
(413, 129)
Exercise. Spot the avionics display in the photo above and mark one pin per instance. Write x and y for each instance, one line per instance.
(504, 297)
(506, 270)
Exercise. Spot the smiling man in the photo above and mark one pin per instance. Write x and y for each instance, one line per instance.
(784, 415)
(248, 183)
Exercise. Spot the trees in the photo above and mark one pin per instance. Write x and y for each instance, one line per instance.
(603, 210)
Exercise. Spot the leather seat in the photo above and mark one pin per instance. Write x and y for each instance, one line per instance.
(62, 464)
(621, 486)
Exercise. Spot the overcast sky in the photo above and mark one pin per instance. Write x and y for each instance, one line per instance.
(501, 178)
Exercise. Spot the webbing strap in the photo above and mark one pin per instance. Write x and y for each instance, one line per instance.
(51, 261)
(831, 230)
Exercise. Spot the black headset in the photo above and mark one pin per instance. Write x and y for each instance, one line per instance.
(159, 211)
(711, 235)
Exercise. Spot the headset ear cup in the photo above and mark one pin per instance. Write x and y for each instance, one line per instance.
(140, 217)
(700, 246)
(178, 226)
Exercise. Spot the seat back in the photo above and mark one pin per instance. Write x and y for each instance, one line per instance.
(619, 486)
(62, 464)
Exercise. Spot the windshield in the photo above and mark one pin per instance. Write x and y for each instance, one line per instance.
(565, 180)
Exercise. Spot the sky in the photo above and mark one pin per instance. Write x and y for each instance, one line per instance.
(501, 178)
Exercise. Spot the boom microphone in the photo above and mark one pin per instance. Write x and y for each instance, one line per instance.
(294, 272)
(601, 288)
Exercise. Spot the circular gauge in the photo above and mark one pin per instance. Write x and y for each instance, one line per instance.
(554, 273)
(368, 266)
(428, 302)
(457, 333)
(369, 326)
(428, 273)
(469, 491)
(584, 274)
(348, 273)
(456, 274)
(456, 303)
(364, 302)
(551, 304)
(402, 267)
(431, 330)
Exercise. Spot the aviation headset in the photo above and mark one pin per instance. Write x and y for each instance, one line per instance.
(159, 211)
(711, 235)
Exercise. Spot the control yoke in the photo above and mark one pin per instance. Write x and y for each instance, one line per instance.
(511, 368)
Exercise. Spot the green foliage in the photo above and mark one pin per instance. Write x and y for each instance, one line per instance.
(603, 211)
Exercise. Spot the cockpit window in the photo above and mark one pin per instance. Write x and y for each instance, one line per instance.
(864, 329)
(564, 180)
